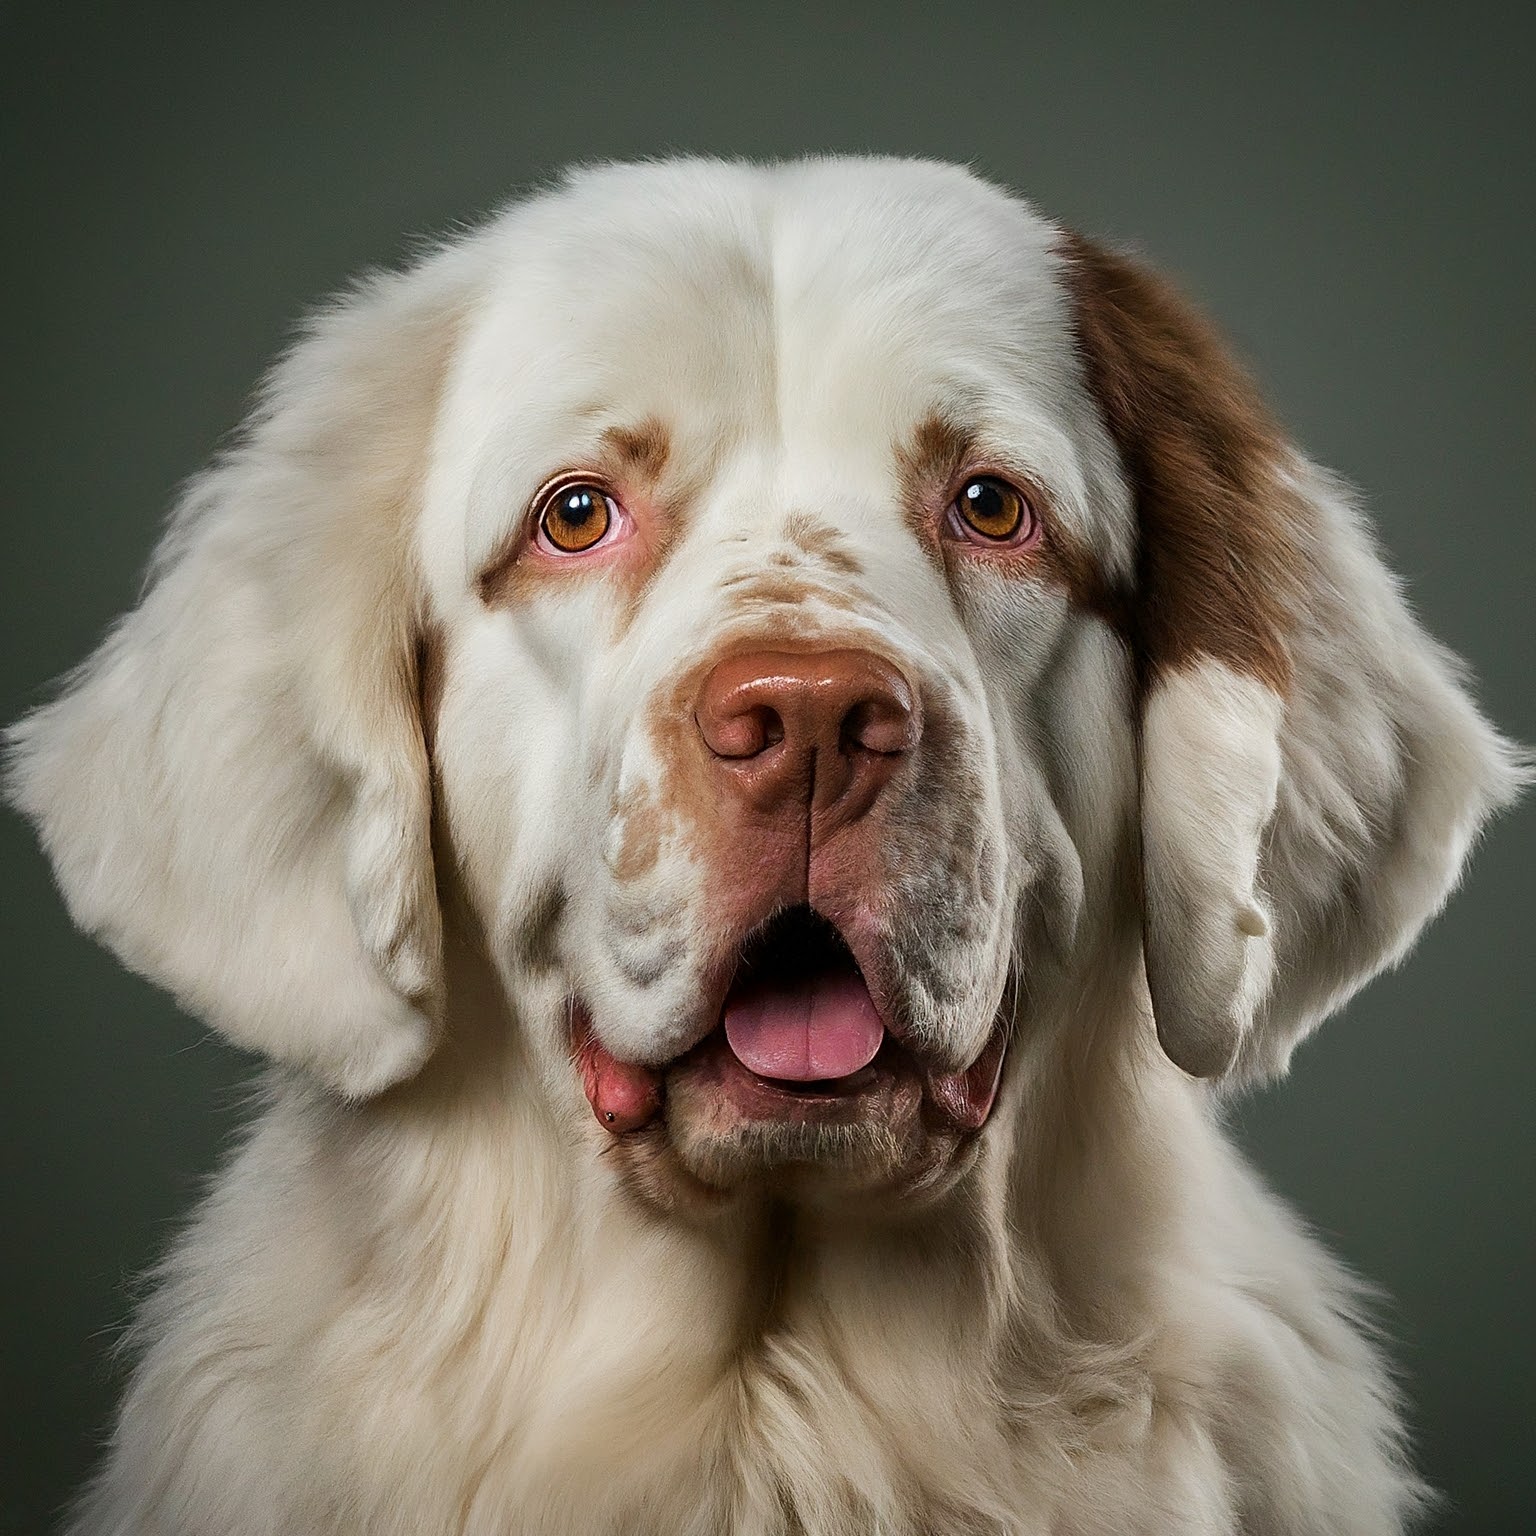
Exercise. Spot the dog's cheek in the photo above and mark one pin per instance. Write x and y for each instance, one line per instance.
(509, 793)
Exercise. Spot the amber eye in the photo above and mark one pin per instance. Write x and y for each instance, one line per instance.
(992, 508)
(575, 518)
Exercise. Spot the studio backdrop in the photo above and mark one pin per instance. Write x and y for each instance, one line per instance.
(1349, 194)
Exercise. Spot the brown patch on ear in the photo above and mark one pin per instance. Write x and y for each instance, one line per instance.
(1219, 562)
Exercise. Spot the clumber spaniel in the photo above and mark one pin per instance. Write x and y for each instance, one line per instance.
(758, 745)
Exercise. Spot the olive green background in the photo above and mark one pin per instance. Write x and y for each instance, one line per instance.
(1349, 193)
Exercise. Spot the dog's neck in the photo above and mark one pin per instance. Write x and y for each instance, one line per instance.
(583, 1316)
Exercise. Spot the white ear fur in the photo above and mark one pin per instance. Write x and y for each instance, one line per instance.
(1293, 847)
(234, 788)
(1388, 771)
(1210, 758)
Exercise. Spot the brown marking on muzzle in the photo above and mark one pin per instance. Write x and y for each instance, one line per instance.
(643, 824)
(767, 587)
(688, 802)
(1221, 561)
(823, 543)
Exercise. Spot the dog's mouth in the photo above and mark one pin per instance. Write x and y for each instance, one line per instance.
(799, 1013)
(799, 1040)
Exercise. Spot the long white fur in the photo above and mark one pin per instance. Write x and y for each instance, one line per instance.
(1210, 747)
(438, 1308)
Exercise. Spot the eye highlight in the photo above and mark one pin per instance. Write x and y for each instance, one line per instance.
(990, 511)
(575, 518)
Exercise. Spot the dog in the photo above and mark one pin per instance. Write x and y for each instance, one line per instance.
(759, 747)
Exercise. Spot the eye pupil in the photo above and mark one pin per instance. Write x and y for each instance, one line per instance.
(984, 500)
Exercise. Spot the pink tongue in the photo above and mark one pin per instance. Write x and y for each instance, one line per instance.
(805, 1032)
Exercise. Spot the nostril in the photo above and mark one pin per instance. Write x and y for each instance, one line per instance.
(884, 724)
(745, 731)
(771, 724)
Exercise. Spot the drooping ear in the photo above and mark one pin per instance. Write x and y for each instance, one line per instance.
(233, 788)
(1312, 771)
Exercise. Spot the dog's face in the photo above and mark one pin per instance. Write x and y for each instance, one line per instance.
(750, 581)
(834, 620)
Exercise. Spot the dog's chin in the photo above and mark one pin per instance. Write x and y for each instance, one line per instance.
(730, 1129)
(727, 1134)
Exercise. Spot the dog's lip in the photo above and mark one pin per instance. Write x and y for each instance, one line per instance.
(626, 1096)
(958, 1101)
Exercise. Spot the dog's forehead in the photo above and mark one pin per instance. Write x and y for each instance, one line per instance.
(818, 317)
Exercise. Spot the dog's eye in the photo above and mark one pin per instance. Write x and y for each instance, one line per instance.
(575, 519)
(991, 510)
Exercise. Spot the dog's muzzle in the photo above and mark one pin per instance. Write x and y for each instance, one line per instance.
(799, 748)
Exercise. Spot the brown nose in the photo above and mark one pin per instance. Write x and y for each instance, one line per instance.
(820, 729)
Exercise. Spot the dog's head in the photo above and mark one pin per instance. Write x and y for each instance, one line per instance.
(842, 629)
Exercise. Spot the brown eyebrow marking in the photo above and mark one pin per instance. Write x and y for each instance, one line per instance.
(932, 455)
(645, 447)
